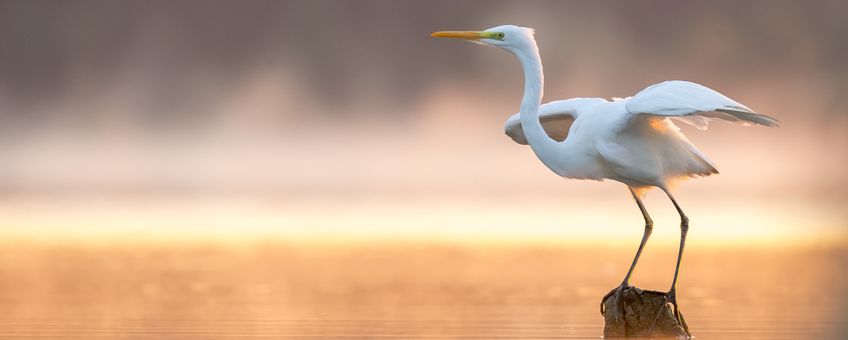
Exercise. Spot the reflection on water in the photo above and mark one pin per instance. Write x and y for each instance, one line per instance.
(403, 291)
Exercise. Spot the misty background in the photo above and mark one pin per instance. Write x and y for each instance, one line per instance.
(349, 108)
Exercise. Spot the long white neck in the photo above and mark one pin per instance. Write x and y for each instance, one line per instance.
(534, 84)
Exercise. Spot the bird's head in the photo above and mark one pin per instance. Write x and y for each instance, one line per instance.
(509, 37)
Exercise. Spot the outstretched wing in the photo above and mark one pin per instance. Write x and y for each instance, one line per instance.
(556, 118)
(693, 104)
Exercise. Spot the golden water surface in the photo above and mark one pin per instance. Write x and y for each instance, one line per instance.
(384, 290)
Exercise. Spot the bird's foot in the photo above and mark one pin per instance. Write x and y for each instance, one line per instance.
(616, 293)
(671, 297)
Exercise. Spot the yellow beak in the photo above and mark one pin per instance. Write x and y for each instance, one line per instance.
(470, 35)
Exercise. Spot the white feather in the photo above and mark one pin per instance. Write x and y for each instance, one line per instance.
(556, 118)
(693, 104)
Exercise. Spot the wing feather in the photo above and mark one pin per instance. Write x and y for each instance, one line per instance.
(556, 118)
(693, 104)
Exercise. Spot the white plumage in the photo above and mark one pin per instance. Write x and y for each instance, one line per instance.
(631, 140)
(634, 140)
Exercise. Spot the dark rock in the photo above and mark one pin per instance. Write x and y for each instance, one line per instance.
(633, 312)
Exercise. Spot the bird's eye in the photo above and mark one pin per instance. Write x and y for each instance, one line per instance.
(500, 35)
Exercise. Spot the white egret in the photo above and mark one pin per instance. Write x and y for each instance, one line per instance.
(631, 140)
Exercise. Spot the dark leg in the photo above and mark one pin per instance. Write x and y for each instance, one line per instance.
(684, 229)
(672, 293)
(649, 226)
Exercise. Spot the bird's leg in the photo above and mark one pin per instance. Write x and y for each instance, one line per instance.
(684, 229)
(671, 296)
(649, 227)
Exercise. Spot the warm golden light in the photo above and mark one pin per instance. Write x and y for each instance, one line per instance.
(327, 169)
(473, 220)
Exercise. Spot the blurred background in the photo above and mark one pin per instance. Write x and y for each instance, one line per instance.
(346, 120)
(133, 129)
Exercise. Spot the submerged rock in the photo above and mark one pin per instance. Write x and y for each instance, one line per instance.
(633, 312)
